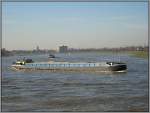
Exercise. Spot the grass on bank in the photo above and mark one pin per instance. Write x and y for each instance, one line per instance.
(140, 54)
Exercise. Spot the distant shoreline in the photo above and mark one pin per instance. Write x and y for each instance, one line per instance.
(139, 54)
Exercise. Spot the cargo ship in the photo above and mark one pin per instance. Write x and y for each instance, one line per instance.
(70, 66)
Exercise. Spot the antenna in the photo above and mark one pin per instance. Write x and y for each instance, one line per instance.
(119, 55)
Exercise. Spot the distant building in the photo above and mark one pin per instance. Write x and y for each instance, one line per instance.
(37, 48)
(5, 52)
(63, 49)
(140, 48)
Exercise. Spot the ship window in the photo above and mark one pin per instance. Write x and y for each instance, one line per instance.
(92, 65)
(73, 65)
(70, 65)
(29, 65)
(96, 65)
(84, 65)
(76, 65)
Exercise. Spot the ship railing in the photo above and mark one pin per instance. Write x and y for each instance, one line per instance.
(71, 65)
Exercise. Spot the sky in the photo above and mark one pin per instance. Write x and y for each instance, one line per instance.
(75, 24)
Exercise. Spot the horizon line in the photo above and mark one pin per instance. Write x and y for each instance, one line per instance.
(78, 48)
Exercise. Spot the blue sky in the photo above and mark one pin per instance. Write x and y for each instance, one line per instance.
(76, 24)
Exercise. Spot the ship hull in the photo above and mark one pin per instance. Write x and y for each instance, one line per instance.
(87, 67)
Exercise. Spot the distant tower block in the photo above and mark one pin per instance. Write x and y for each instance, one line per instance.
(37, 48)
(63, 49)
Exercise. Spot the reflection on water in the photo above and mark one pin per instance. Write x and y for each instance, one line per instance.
(66, 91)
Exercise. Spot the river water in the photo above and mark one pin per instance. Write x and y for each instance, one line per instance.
(76, 91)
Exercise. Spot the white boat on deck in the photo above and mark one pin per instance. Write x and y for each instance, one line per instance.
(70, 66)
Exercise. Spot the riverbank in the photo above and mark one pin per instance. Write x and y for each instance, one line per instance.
(140, 54)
